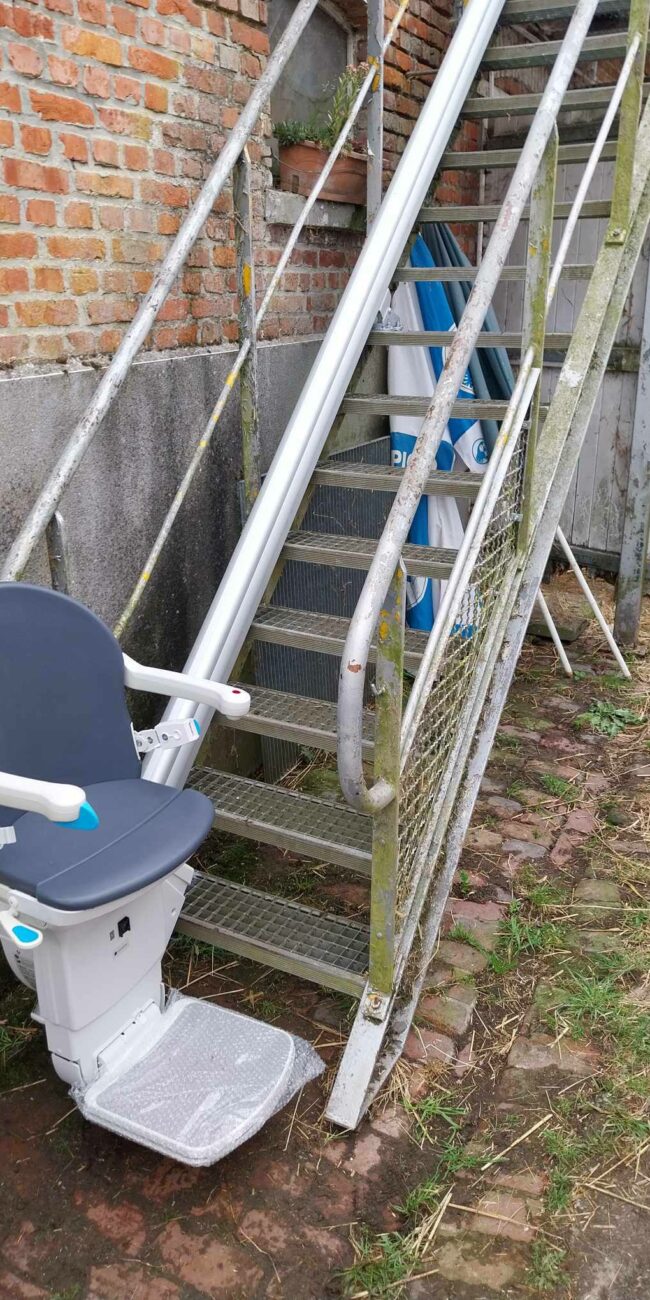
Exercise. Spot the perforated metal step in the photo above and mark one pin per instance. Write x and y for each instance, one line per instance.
(296, 718)
(579, 271)
(533, 11)
(317, 946)
(321, 633)
(317, 828)
(606, 45)
(384, 404)
(594, 98)
(381, 478)
(358, 553)
(569, 152)
(443, 339)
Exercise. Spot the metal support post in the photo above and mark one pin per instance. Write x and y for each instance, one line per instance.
(538, 265)
(631, 105)
(375, 110)
(57, 552)
(593, 603)
(388, 722)
(248, 403)
(634, 548)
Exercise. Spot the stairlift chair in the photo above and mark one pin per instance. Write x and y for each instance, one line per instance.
(93, 873)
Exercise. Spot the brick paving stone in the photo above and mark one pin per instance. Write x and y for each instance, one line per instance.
(121, 1223)
(464, 1061)
(562, 851)
(451, 1012)
(532, 851)
(505, 1216)
(529, 1183)
(542, 1052)
(596, 899)
(215, 1268)
(530, 833)
(268, 1230)
(582, 821)
(461, 909)
(592, 941)
(461, 956)
(490, 785)
(482, 839)
(427, 1045)
(505, 806)
(17, 1288)
(521, 733)
(117, 1281)
(459, 1261)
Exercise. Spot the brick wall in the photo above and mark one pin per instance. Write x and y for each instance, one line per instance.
(110, 116)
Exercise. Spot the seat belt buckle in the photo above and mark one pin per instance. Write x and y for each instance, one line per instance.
(167, 735)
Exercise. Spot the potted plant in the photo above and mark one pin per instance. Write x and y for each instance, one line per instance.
(304, 147)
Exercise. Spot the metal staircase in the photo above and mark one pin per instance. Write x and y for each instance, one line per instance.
(308, 589)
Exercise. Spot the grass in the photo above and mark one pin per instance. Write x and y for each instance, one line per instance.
(521, 936)
(546, 1272)
(560, 788)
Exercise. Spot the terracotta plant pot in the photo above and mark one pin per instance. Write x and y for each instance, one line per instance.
(301, 164)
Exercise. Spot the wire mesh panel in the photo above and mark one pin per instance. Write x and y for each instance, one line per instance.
(445, 718)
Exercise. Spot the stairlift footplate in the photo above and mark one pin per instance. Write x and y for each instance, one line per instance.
(198, 1082)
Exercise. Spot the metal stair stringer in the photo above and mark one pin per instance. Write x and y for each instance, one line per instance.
(373, 1048)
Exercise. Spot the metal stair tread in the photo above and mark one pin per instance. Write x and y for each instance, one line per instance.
(297, 718)
(491, 211)
(384, 478)
(443, 338)
(605, 45)
(358, 553)
(279, 932)
(536, 11)
(455, 160)
(578, 271)
(593, 97)
(387, 404)
(325, 829)
(322, 633)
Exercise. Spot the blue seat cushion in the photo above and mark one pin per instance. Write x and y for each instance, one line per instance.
(145, 831)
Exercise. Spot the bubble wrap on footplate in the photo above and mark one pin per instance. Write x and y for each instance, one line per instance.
(199, 1082)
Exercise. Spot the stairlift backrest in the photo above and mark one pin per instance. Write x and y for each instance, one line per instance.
(63, 714)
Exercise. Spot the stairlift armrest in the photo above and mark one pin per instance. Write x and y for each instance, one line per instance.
(229, 701)
(59, 803)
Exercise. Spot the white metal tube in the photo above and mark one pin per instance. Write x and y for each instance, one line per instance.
(230, 615)
(114, 377)
(233, 374)
(587, 176)
(554, 634)
(593, 604)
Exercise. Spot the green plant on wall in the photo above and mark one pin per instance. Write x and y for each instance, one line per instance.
(326, 130)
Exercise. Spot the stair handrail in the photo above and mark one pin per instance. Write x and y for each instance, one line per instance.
(356, 651)
(116, 373)
(250, 339)
(242, 587)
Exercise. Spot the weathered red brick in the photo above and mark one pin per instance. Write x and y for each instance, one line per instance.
(156, 65)
(96, 81)
(79, 216)
(83, 248)
(106, 152)
(9, 97)
(55, 311)
(63, 71)
(113, 186)
(156, 97)
(75, 147)
(61, 108)
(42, 212)
(92, 45)
(16, 245)
(35, 139)
(9, 209)
(25, 60)
(33, 176)
(48, 279)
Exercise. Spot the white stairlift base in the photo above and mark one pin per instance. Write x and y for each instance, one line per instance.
(196, 1082)
(183, 1077)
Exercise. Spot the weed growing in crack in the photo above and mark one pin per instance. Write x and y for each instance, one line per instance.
(546, 1272)
(560, 788)
(607, 718)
